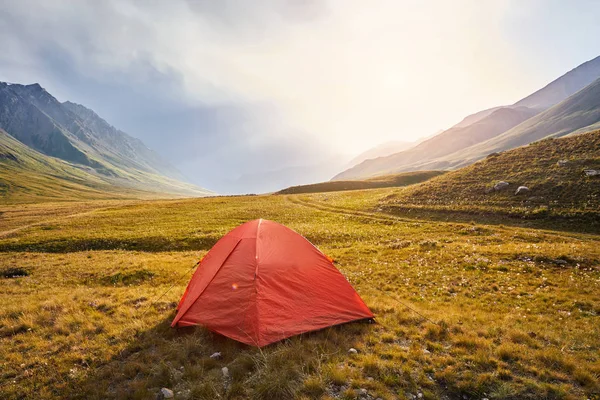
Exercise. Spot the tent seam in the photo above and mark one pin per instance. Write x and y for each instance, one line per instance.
(211, 279)
(256, 282)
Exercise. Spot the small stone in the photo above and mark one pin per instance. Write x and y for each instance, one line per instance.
(560, 262)
(216, 356)
(591, 172)
(562, 163)
(363, 392)
(521, 190)
(177, 374)
(352, 350)
(225, 371)
(166, 393)
(501, 185)
(420, 395)
(425, 351)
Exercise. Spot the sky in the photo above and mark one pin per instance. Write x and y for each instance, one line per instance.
(233, 92)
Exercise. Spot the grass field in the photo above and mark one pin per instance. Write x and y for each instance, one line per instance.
(505, 310)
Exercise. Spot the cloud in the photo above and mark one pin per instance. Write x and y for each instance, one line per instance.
(261, 85)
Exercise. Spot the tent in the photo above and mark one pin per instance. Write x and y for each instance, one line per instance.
(263, 282)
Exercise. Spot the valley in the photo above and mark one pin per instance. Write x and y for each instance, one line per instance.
(441, 160)
(503, 310)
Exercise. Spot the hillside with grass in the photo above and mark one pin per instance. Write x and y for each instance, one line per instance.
(396, 180)
(28, 176)
(551, 169)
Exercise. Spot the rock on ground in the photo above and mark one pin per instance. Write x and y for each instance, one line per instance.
(591, 172)
(166, 394)
(501, 185)
(521, 190)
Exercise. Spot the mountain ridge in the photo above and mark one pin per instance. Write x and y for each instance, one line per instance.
(553, 93)
(76, 134)
(447, 142)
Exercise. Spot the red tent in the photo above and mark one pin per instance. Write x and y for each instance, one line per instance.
(263, 282)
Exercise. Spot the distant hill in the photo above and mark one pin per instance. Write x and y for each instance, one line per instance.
(77, 135)
(388, 148)
(471, 119)
(562, 187)
(381, 150)
(397, 180)
(478, 127)
(447, 142)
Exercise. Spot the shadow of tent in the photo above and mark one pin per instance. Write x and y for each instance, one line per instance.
(179, 359)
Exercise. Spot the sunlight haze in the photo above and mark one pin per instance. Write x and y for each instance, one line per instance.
(287, 82)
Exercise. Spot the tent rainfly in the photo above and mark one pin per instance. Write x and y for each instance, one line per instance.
(263, 282)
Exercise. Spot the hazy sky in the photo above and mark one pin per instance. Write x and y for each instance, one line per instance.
(225, 88)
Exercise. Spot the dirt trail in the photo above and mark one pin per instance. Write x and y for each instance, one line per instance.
(346, 211)
(51, 220)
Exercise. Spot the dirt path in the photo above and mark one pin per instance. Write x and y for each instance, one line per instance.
(346, 211)
(51, 220)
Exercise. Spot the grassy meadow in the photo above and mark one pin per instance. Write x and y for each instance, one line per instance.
(505, 310)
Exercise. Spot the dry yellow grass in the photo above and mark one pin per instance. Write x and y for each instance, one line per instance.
(515, 309)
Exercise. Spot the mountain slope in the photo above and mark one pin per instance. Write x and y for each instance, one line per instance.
(389, 148)
(471, 119)
(118, 146)
(76, 134)
(563, 87)
(552, 185)
(447, 142)
(27, 175)
(553, 93)
(381, 150)
(31, 126)
(579, 113)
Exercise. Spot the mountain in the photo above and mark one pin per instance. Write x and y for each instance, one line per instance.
(563, 87)
(471, 119)
(77, 135)
(577, 114)
(381, 150)
(27, 175)
(478, 127)
(387, 148)
(120, 147)
(447, 142)
(553, 187)
(271, 181)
